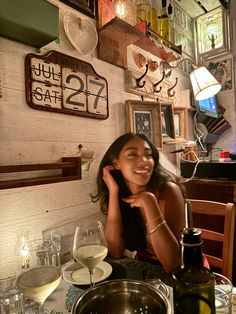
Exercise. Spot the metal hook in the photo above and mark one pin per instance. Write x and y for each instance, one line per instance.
(154, 86)
(170, 89)
(140, 78)
(143, 95)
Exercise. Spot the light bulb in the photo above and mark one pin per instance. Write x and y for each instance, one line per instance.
(120, 9)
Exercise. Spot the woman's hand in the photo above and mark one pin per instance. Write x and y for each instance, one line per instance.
(109, 180)
(141, 199)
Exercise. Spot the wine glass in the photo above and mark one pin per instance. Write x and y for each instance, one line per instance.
(89, 247)
(42, 274)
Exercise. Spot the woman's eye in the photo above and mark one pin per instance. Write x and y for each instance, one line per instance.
(132, 154)
(148, 154)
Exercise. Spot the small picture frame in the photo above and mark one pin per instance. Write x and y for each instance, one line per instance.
(145, 117)
(181, 124)
(86, 7)
(167, 123)
(221, 68)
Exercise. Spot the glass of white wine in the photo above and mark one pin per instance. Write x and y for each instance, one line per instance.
(89, 247)
(42, 274)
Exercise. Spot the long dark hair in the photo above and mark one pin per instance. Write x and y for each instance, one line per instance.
(159, 177)
(134, 228)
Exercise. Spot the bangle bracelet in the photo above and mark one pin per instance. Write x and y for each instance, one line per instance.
(158, 226)
(154, 219)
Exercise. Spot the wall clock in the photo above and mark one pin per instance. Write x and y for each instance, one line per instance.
(61, 83)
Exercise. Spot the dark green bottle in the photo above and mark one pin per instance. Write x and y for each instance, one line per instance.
(193, 289)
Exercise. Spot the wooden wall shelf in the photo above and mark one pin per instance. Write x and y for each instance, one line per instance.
(70, 170)
(117, 35)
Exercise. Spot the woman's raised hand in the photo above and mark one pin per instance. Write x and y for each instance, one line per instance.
(109, 180)
(141, 199)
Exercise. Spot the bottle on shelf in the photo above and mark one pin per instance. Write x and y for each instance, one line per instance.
(143, 11)
(164, 22)
(193, 290)
(171, 24)
(153, 17)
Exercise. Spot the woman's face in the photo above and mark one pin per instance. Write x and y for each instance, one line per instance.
(136, 164)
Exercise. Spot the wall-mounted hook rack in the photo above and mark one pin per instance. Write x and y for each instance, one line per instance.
(157, 83)
(138, 80)
(169, 93)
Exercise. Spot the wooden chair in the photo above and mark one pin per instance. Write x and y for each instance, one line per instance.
(207, 214)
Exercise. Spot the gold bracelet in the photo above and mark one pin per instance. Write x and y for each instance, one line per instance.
(158, 226)
(154, 219)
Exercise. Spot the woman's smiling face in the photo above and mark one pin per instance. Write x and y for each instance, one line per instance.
(136, 164)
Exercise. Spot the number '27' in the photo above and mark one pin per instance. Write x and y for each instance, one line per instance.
(96, 87)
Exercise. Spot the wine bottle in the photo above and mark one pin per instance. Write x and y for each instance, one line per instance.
(193, 290)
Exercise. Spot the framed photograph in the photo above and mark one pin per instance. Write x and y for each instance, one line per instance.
(181, 124)
(145, 117)
(87, 7)
(222, 69)
(167, 123)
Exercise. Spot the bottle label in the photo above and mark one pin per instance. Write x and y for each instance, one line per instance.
(143, 13)
(193, 303)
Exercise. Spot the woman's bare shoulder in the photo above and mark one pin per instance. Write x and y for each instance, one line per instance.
(171, 186)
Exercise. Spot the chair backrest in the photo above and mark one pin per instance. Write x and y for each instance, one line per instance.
(225, 213)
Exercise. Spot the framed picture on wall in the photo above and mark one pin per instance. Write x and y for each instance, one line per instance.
(167, 123)
(181, 124)
(87, 7)
(145, 117)
(222, 69)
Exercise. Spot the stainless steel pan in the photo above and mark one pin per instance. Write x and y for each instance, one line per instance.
(122, 297)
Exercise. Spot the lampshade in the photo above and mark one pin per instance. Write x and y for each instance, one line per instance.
(203, 83)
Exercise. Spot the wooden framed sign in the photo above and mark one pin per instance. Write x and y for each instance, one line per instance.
(145, 117)
(61, 83)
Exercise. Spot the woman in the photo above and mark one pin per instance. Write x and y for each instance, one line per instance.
(143, 203)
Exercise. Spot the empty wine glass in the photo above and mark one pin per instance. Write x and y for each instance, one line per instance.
(89, 247)
(42, 275)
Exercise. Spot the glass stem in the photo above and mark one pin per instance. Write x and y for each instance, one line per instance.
(91, 273)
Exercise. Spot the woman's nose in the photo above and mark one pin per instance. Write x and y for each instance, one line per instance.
(142, 158)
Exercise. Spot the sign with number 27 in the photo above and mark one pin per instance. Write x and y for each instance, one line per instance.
(60, 83)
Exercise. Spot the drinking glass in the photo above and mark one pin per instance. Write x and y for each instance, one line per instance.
(11, 299)
(223, 294)
(55, 238)
(89, 247)
(42, 275)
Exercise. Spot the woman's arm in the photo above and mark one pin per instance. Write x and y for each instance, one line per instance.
(165, 238)
(113, 226)
(172, 201)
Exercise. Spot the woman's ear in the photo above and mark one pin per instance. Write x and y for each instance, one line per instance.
(116, 164)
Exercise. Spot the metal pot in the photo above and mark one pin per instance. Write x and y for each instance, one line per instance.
(122, 297)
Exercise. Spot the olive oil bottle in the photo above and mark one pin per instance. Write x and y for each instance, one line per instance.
(193, 290)
(164, 22)
(153, 17)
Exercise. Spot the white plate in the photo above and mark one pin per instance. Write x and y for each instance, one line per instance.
(78, 275)
(81, 32)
